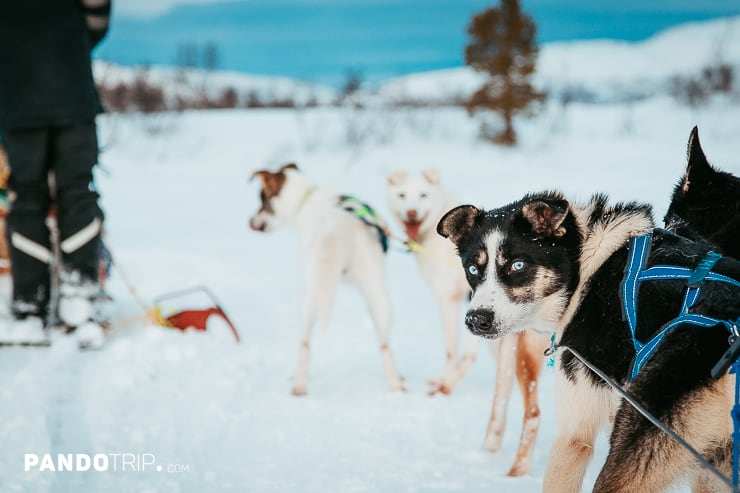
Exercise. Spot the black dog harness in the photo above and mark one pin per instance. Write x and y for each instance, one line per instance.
(635, 273)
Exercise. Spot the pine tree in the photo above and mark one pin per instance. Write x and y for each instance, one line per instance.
(503, 45)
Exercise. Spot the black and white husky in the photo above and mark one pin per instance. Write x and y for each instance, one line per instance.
(546, 264)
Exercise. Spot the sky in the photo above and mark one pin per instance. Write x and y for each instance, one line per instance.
(323, 40)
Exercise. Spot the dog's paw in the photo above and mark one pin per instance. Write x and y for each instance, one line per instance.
(492, 443)
(299, 390)
(440, 388)
(398, 386)
(518, 470)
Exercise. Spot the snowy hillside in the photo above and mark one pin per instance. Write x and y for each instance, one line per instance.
(219, 416)
(602, 70)
(596, 70)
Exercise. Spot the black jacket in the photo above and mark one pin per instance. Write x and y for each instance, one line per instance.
(45, 73)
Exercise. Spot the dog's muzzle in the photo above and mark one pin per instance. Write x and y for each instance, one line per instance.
(480, 323)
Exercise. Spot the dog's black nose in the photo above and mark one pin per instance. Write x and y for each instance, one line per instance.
(479, 322)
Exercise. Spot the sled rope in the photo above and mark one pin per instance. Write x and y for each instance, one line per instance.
(152, 313)
(416, 247)
(662, 426)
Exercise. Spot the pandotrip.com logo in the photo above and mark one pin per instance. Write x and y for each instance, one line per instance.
(99, 463)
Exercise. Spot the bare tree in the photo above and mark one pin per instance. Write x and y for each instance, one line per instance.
(503, 46)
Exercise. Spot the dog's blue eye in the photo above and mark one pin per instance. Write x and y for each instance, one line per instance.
(517, 266)
(473, 270)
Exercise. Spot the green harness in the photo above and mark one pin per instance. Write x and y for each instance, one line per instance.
(367, 215)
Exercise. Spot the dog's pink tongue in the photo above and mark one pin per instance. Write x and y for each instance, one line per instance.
(412, 230)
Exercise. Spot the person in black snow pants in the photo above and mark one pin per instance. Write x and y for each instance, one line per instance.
(48, 104)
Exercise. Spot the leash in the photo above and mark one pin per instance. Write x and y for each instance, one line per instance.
(151, 313)
(662, 426)
(416, 247)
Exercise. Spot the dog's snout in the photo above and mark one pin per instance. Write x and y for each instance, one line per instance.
(479, 322)
(412, 214)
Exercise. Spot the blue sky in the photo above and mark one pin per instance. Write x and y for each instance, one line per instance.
(320, 40)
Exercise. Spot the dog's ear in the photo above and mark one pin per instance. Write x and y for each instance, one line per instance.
(697, 165)
(288, 166)
(458, 222)
(546, 216)
(397, 177)
(271, 183)
(431, 175)
(258, 174)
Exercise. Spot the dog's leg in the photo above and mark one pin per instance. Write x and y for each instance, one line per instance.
(319, 288)
(644, 459)
(372, 286)
(582, 410)
(455, 369)
(505, 368)
(448, 309)
(470, 350)
(529, 358)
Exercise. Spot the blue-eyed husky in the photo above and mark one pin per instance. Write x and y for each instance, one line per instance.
(546, 264)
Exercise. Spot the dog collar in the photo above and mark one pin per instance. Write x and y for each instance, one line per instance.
(305, 197)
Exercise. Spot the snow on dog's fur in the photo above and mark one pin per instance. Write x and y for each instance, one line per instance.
(548, 264)
(418, 201)
(334, 243)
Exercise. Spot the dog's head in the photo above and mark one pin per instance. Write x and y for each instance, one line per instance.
(521, 261)
(706, 202)
(412, 198)
(274, 201)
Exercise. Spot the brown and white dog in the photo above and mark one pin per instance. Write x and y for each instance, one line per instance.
(418, 201)
(334, 244)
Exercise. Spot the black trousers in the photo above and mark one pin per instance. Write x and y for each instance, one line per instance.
(68, 154)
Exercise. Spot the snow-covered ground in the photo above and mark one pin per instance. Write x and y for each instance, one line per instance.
(177, 200)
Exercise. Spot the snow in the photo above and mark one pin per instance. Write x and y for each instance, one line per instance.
(175, 192)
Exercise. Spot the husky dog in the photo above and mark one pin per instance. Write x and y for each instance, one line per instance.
(546, 264)
(334, 242)
(418, 201)
(706, 202)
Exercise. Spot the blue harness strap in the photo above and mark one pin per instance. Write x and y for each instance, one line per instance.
(636, 272)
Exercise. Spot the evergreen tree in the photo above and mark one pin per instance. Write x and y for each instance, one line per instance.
(503, 45)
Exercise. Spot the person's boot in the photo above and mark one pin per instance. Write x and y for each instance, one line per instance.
(78, 310)
(23, 330)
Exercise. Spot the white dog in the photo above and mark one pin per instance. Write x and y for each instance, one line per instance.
(418, 201)
(335, 241)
